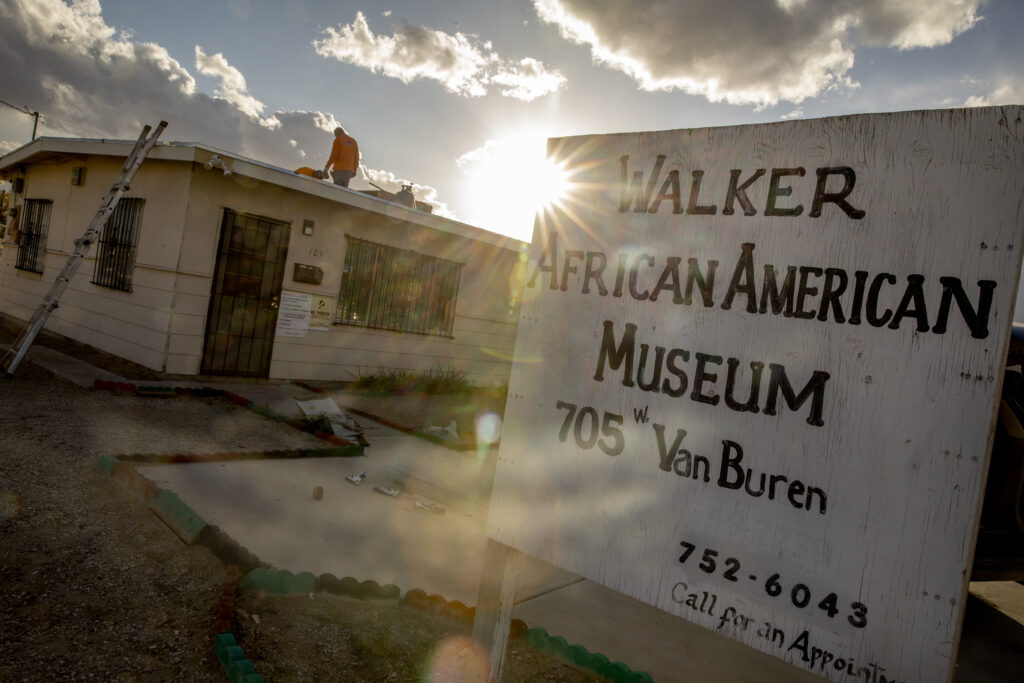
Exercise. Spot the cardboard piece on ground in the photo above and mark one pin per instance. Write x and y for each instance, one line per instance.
(342, 423)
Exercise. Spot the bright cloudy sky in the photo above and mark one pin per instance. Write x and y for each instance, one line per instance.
(458, 96)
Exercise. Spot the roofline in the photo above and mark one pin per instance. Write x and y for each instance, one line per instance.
(199, 153)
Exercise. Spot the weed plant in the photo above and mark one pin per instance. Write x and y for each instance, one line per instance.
(440, 380)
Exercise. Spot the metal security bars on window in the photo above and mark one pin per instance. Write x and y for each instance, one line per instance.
(389, 288)
(32, 239)
(115, 260)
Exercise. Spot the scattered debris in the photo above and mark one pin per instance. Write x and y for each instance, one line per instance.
(431, 507)
(448, 433)
(356, 479)
(318, 492)
(334, 419)
(386, 491)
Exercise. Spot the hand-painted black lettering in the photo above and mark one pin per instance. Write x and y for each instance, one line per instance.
(913, 295)
(739, 192)
(700, 376)
(707, 563)
(743, 280)
(775, 191)
(688, 549)
(837, 198)
(568, 268)
(636, 193)
(872, 304)
(976, 318)
(669, 190)
(692, 208)
(814, 390)
(805, 290)
(615, 357)
(550, 253)
(578, 428)
(633, 274)
(609, 430)
(563, 433)
(596, 262)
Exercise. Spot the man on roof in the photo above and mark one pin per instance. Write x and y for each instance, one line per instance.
(344, 157)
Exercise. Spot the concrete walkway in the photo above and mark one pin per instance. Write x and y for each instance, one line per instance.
(268, 507)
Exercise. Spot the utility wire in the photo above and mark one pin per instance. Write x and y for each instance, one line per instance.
(26, 110)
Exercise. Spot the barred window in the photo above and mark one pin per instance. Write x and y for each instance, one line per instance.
(115, 260)
(32, 236)
(397, 289)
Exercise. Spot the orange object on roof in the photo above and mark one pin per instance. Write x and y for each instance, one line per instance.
(312, 173)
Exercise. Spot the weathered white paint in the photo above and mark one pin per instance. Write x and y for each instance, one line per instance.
(907, 415)
(161, 323)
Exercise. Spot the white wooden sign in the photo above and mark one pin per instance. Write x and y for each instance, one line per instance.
(293, 314)
(756, 377)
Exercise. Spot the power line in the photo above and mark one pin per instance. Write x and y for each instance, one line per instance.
(26, 110)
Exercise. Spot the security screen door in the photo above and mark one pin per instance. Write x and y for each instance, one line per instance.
(245, 295)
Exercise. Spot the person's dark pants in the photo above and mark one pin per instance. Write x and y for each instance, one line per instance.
(342, 177)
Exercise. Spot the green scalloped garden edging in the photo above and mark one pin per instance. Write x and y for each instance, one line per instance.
(281, 582)
(107, 463)
(177, 515)
(557, 647)
(232, 658)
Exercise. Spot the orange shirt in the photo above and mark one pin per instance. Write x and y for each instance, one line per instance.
(344, 154)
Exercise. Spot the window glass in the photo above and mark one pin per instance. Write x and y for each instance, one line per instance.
(397, 289)
(115, 260)
(32, 237)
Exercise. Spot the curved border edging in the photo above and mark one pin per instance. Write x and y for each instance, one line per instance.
(232, 657)
(260, 577)
(209, 392)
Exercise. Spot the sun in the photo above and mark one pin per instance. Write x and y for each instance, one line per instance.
(509, 181)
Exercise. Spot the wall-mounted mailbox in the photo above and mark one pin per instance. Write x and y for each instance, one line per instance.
(308, 274)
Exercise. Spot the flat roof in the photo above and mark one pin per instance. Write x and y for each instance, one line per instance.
(44, 149)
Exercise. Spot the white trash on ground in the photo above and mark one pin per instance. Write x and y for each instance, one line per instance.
(448, 432)
(342, 423)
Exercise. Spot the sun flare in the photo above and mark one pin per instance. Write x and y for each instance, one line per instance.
(509, 181)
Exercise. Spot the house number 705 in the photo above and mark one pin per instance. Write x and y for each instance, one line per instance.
(585, 428)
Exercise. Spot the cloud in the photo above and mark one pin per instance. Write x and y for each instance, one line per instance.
(1008, 93)
(463, 64)
(89, 80)
(232, 85)
(744, 52)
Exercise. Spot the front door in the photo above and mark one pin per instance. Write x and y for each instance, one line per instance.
(244, 300)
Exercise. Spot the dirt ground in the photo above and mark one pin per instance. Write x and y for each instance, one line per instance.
(94, 587)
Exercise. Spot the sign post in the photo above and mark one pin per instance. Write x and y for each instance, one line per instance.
(756, 378)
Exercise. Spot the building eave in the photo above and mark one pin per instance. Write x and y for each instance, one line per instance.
(58, 150)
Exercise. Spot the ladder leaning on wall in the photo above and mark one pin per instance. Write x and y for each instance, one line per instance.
(143, 145)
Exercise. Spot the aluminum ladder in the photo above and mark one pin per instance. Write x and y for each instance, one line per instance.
(143, 145)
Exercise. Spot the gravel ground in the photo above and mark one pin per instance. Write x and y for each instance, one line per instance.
(94, 587)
